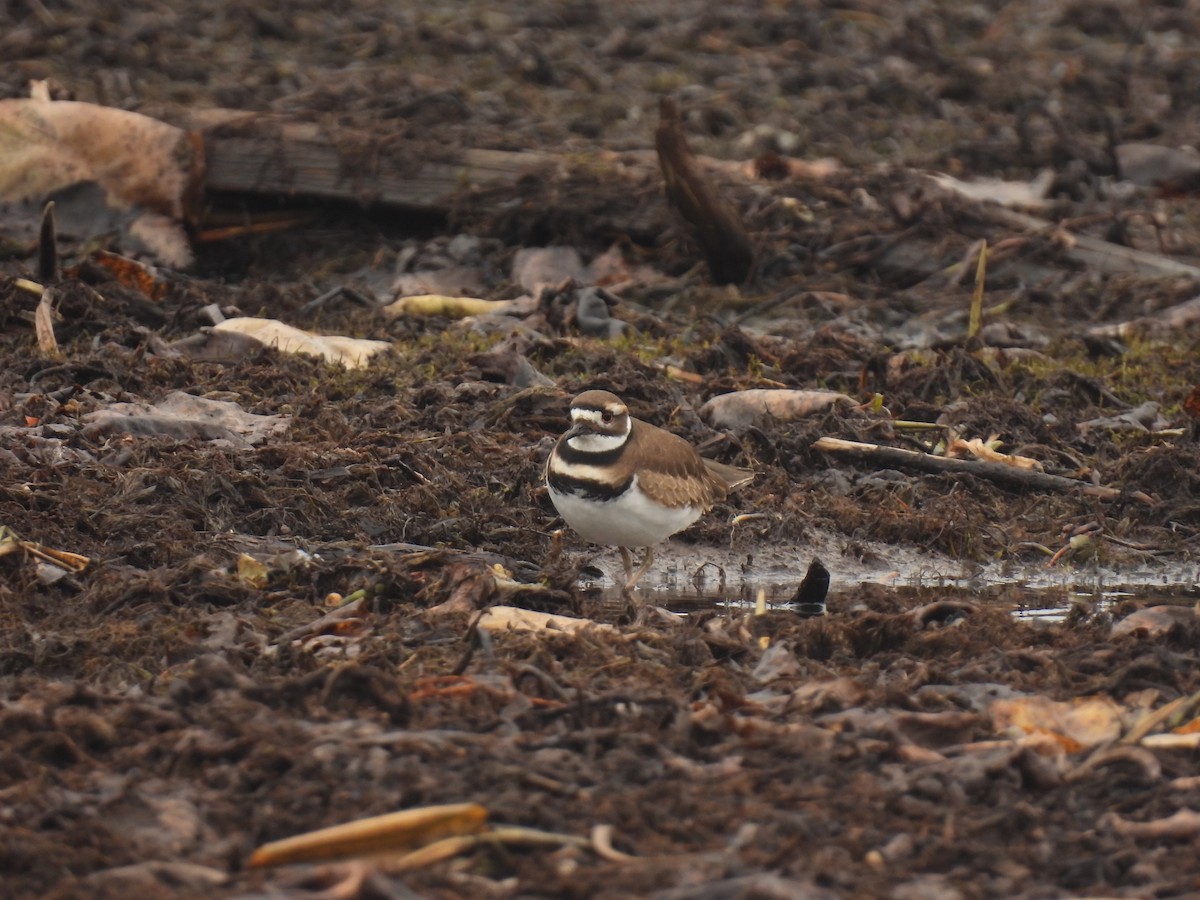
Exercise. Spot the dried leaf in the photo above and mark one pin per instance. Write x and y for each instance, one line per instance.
(451, 280)
(1027, 194)
(1142, 418)
(252, 572)
(986, 450)
(503, 618)
(773, 166)
(1192, 727)
(1076, 724)
(43, 322)
(451, 307)
(353, 353)
(430, 854)
(537, 267)
(744, 409)
(185, 416)
(139, 162)
(777, 661)
(1191, 404)
(11, 542)
(407, 829)
(131, 274)
(1154, 621)
(155, 878)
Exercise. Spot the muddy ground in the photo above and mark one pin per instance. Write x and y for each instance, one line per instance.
(166, 709)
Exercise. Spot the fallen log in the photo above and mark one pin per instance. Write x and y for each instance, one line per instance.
(258, 154)
(254, 153)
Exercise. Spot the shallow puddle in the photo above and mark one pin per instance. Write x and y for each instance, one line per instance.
(687, 579)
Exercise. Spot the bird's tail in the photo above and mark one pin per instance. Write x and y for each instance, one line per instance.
(733, 476)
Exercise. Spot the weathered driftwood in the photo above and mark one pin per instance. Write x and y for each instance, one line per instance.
(258, 154)
(1010, 476)
(262, 154)
(1095, 253)
(1178, 318)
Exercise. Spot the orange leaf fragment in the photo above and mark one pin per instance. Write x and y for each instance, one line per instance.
(1189, 728)
(1192, 404)
(131, 274)
(1075, 724)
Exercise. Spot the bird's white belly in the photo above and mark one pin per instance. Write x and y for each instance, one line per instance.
(630, 520)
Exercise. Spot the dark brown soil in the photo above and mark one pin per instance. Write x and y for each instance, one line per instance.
(167, 705)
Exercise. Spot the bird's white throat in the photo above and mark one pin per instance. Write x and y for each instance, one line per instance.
(596, 443)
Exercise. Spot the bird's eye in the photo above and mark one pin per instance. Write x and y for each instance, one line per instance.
(606, 417)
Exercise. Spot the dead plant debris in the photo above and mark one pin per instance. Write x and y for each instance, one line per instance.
(249, 594)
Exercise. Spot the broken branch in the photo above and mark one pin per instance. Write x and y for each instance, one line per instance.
(1009, 476)
(720, 231)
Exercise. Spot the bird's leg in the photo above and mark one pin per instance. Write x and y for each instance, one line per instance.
(634, 579)
(627, 562)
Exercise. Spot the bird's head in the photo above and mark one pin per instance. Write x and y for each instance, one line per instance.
(600, 422)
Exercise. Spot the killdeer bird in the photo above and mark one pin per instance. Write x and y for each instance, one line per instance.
(620, 481)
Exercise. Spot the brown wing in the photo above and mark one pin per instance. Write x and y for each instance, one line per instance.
(670, 470)
(733, 476)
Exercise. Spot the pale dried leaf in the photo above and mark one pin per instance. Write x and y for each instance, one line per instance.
(354, 353)
(163, 237)
(155, 878)
(986, 451)
(1077, 724)
(796, 169)
(537, 267)
(139, 161)
(184, 415)
(451, 307)
(744, 409)
(1027, 194)
(829, 694)
(430, 854)
(252, 572)
(1143, 418)
(1154, 621)
(504, 618)
(140, 164)
(43, 322)
(778, 661)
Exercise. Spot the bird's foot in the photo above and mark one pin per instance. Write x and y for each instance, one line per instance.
(631, 577)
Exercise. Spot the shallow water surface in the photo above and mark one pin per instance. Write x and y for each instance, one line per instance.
(687, 578)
